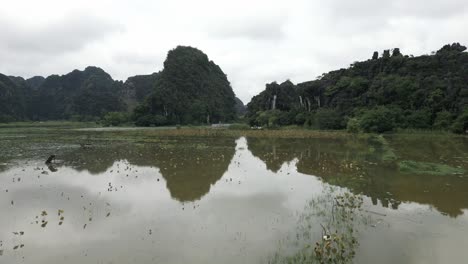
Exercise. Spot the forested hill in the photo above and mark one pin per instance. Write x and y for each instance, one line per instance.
(12, 99)
(380, 94)
(190, 89)
(83, 95)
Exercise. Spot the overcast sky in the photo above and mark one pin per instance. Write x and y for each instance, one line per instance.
(253, 41)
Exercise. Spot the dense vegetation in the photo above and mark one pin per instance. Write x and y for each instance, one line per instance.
(190, 90)
(77, 95)
(377, 95)
(87, 93)
(12, 100)
(137, 88)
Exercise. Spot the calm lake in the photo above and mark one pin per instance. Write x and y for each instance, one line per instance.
(391, 199)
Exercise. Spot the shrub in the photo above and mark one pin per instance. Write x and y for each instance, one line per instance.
(115, 118)
(460, 125)
(145, 121)
(263, 119)
(272, 118)
(328, 119)
(353, 125)
(378, 120)
(239, 127)
(285, 118)
(300, 118)
(443, 120)
(418, 119)
(6, 118)
(159, 120)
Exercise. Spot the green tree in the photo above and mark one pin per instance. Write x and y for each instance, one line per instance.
(375, 56)
(443, 120)
(378, 120)
(460, 125)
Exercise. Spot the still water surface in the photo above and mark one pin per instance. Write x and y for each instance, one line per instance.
(228, 200)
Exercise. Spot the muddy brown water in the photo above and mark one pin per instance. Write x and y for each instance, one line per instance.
(229, 200)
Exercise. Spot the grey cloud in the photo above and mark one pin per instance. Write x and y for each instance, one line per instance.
(414, 8)
(69, 34)
(250, 28)
(138, 58)
(254, 42)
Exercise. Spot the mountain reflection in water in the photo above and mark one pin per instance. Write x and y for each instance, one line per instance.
(219, 199)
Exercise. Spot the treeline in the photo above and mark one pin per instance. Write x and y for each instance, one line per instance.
(378, 95)
(190, 89)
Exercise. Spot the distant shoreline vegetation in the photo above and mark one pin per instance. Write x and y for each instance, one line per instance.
(388, 93)
(128, 131)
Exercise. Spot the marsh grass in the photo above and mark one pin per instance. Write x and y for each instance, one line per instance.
(69, 131)
(424, 131)
(49, 124)
(235, 130)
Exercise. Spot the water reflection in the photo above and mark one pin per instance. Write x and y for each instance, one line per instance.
(213, 200)
(111, 217)
(189, 166)
(370, 167)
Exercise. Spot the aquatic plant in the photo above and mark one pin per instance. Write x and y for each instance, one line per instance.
(416, 167)
(327, 230)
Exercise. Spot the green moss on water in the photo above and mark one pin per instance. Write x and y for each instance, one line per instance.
(415, 167)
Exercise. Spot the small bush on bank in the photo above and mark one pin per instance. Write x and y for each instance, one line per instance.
(239, 127)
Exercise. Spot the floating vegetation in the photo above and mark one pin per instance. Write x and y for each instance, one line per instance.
(18, 246)
(327, 231)
(62, 218)
(384, 148)
(416, 167)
